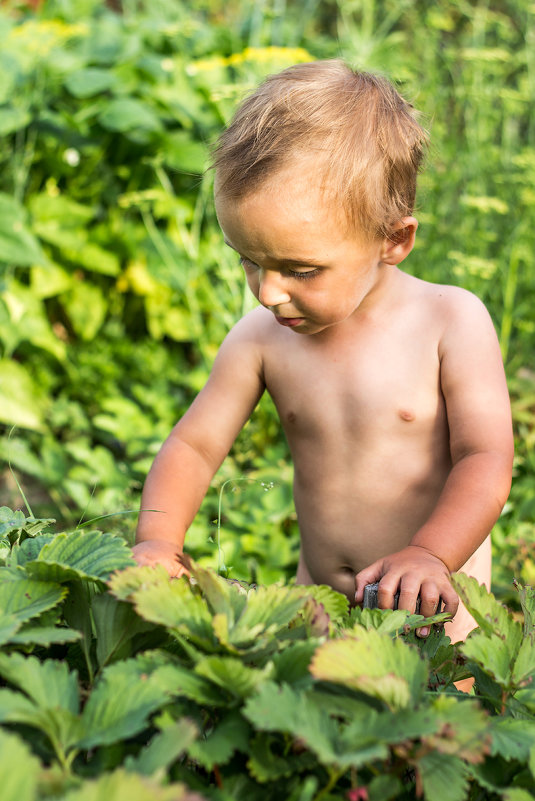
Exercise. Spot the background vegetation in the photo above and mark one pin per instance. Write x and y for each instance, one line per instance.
(116, 288)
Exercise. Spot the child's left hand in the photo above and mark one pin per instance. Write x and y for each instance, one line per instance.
(413, 571)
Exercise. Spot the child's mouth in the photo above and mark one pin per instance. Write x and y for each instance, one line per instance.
(289, 321)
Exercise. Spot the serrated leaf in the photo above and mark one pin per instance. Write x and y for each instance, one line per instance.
(120, 705)
(44, 636)
(29, 549)
(10, 520)
(375, 664)
(492, 617)
(222, 596)
(59, 724)
(512, 738)
(387, 621)
(115, 625)
(231, 735)
(9, 625)
(231, 675)
(492, 654)
(19, 769)
(164, 749)
(267, 766)
(123, 786)
(26, 598)
(526, 596)
(173, 604)
(461, 729)
(385, 788)
(125, 583)
(182, 682)
(292, 663)
(267, 615)
(443, 777)
(49, 684)
(335, 604)
(81, 555)
(524, 666)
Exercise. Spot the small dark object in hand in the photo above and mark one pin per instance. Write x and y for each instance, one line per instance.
(371, 600)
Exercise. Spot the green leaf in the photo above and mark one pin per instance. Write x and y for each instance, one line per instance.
(120, 705)
(182, 152)
(164, 749)
(524, 666)
(231, 675)
(265, 765)
(44, 636)
(21, 403)
(526, 597)
(18, 245)
(9, 625)
(335, 604)
(128, 114)
(180, 681)
(512, 739)
(123, 786)
(124, 584)
(19, 769)
(86, 306)
(26, 598)
(81, 555)
(10, 521)
(115, 625)
(375, 664)
(492, 654)
(443, 777)
(49, 684)
(89, 81)
(492, 617)
(231, 735)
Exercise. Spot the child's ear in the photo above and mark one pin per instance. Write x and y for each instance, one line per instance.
(399, 244)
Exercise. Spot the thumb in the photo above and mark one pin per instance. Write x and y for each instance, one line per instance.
(369, 575)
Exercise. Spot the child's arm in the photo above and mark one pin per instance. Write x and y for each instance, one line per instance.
(481, 445)
(191, 455)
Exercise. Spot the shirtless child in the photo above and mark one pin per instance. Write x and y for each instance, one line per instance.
(390, 390)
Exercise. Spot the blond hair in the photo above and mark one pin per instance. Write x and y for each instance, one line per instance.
(365, 138)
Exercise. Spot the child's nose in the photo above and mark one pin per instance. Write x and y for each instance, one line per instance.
(271, 289)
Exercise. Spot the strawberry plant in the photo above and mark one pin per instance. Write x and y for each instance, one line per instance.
(119, 683)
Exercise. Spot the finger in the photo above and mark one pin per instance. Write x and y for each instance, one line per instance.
(386, 591)
(369, 575)
(450, 599)
(429, 599)
(408, 595)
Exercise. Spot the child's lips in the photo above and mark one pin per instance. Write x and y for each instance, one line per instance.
(289, 321)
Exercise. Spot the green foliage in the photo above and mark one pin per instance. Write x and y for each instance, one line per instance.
(206, 688)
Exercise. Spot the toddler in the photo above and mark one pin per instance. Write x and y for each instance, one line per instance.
(390, 389)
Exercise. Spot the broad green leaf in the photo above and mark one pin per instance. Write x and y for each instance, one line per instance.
(81, 555)
(223, 597)
(49, 683)
(89, 81)
(173, 604)
(18, 245)
(26, 598)
(461, 729)
(127, 114)
(231, 735)
(120, 705)
(526, 597)
(86, 306)
(164, 748)
(524, 666)
(443, 777)
(493, 655)
(181, 681)
(19, 769)
(115, 625)
(282, 709)
(44, 636)
(512, 738)
(265, 765)
(489, 614)
(292, 663)
(59, 724)
(123, 786)
(385, 788)
(182, 152)
(29, 549)
(232, 676)
(335, 604)
(21, 403)
(10, 521)
(13, 119)
(372, 662)
(517, 794)
(124, 584)
(9, 625)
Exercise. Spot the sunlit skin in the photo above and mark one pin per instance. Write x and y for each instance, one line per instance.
(391, 393)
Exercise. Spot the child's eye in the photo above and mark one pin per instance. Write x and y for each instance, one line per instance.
(304, 275)
(247, 264)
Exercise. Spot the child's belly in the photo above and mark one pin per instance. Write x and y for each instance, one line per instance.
(354, 509)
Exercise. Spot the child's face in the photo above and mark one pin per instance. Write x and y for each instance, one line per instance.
(301, 260)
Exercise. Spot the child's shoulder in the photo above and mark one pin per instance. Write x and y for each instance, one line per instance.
(445, 302)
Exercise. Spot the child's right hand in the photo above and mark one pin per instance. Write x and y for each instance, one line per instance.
(160, 552)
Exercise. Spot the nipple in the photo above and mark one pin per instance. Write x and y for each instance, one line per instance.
(406, 415)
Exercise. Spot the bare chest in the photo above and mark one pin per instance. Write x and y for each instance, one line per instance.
(377, 384)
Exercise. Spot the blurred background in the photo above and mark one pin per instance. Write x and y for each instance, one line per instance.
(116, 288)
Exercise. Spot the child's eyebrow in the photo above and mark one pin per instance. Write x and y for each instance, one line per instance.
(301, 261)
